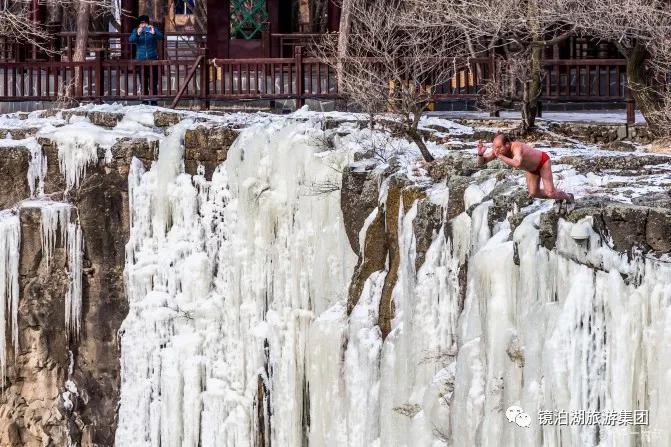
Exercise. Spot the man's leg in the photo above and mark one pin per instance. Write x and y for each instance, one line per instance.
(534, 185)
(548, 190)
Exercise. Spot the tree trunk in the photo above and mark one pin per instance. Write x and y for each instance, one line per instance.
(416, 137)
(343, 37)
(532, 91)
(81, 40)
(642, 88)
(532, 88)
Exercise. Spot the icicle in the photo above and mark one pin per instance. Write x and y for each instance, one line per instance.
(56, 226)
(237, 319)
(223, 280)
(73, 160)
(37, 168)
(73, 297)
(10, 239)
(55, 220)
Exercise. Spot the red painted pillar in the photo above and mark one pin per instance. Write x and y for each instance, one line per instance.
(218, 28)
(130, 9)
(333, 12)
(273, 8)
(37, 15)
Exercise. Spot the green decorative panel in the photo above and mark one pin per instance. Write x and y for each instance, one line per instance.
(247, 18)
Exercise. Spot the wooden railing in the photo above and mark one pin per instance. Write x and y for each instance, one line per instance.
(297, 77)
(584, 79)
(287, 78)
(289, 41)
(99, 80)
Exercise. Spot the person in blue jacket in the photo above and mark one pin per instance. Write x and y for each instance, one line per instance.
(145, 38)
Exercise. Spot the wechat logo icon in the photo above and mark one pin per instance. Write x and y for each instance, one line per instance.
(515, 414)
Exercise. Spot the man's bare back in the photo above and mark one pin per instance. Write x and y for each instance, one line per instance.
(520, 155)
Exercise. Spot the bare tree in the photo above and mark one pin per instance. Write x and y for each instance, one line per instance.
(16, 25)
(641, 30)
(390, 64)
(518, 30)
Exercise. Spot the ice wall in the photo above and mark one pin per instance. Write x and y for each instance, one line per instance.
(238, 332)
(10, 236)
(224, 279)
(580, 327)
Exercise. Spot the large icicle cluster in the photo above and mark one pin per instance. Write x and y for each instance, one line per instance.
(10, 238)
(224, 279)
(59, 225)
(580, 327)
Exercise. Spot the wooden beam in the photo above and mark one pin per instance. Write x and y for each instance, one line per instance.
(218, 28)
(185, 83)
(273, 7)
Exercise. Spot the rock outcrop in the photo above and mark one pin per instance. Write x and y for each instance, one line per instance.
(34, 411)
(14, 185)
(207, 146)
(644, 226)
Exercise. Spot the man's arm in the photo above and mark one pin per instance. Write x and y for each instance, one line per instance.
(133, 36)
(514, 162)
(157, 33)
(483, 158)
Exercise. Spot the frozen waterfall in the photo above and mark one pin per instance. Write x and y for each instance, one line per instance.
(224, 279)
(238, 332)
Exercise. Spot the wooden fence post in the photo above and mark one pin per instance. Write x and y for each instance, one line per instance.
(300, 89)
(100, 88)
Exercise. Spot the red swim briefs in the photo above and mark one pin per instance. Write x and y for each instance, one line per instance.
(544, 158)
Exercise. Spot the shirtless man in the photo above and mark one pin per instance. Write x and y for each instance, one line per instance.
(522, 156)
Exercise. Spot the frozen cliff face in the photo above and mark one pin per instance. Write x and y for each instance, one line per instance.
(303, 281)
(62, 259)
(224, 278)
(245, 328)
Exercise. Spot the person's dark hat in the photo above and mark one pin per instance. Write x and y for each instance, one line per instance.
(143, 19)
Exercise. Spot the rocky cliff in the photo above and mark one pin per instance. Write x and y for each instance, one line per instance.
(193, 279)
(46, 362)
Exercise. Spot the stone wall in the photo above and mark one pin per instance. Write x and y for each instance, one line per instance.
(603, 133)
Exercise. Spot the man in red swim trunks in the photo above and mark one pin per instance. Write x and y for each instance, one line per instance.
(522, 156)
